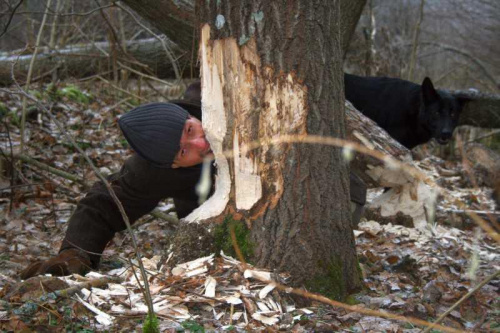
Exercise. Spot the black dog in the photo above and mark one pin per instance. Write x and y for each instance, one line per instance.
(410, 113)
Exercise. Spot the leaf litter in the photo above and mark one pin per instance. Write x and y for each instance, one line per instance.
(418, 273)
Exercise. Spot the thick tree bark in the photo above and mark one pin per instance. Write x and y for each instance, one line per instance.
(269, 71)
(88, 59)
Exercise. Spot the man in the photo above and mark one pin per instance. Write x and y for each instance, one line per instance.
(169, 145)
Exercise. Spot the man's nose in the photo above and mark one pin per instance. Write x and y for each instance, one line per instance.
(198, 143)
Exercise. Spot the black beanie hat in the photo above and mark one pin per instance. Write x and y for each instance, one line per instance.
(154, 131)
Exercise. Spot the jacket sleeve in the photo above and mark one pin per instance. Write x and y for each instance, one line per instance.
(139, 186)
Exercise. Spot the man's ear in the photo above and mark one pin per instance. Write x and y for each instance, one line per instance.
(429, 94)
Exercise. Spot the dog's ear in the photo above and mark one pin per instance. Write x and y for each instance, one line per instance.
(429, 94)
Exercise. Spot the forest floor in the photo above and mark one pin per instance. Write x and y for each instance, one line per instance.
(408, 272)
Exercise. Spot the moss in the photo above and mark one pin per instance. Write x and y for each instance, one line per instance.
(331, 284)
(223, 238)
(151, 324)
(352, 300)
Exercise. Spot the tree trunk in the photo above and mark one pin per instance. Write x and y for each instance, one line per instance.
(269, 71)
(88, 59)
(350, 14)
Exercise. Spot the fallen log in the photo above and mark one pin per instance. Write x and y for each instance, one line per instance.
(482, 110)
(412, 195)
(82, 60)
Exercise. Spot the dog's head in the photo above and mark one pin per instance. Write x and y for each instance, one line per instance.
(439, 112)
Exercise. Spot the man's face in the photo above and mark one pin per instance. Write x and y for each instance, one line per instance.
(194, 145)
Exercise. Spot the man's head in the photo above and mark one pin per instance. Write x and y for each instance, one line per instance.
(165, 135)
(194, 147)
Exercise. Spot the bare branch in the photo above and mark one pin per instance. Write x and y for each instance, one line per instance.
(51, 12)
(10, 17)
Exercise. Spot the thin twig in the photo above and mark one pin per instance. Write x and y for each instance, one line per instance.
(460, 301)
(51, 12)
(30, 71)
(120, 89)
(495, 132)
(50, 169)
(31, 307)
(168, 84)
(475, 60)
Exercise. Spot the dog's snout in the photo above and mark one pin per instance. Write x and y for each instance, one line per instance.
(446, 135)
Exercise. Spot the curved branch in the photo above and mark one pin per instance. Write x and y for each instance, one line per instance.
(475, 60)
(10, 17)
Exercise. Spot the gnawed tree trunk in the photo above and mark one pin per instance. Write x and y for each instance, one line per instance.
(88, 59)
(263, 73)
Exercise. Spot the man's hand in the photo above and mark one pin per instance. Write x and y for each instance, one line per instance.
(65, 263)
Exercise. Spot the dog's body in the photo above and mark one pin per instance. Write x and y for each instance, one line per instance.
(411, 113)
